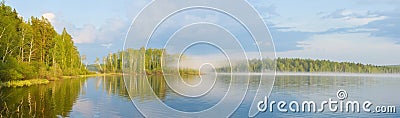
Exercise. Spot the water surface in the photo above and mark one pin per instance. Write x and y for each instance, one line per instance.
(108, 97)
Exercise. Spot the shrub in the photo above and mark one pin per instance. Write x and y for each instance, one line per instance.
(10, 70)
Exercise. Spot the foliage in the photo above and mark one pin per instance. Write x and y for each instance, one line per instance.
(134, 59)
(25, 82)
(33, 49)
(309, 65)
(10, 70)
(252, 65)
(187, 71)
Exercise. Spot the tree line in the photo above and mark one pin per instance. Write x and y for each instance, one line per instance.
(252, 65)
(33, 49)
(308, 65)
(112, 63)
(138, 61)
(152, 58)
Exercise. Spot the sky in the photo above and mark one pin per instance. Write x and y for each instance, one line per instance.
(365, 31)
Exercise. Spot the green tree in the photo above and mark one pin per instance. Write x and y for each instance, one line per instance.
(33, 49)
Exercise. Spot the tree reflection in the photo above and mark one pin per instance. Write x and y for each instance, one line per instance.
(113, 85)
(139, 90)
(53, 99)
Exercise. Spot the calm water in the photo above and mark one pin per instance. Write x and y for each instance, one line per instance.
(108, 97)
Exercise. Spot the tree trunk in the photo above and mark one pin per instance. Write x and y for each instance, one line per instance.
(22, 46)
(30, 51)
(5, 53)
(4, 29)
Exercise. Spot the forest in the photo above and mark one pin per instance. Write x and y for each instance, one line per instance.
(32, 49)
(152, 63)
(133, 62)
(310, 65)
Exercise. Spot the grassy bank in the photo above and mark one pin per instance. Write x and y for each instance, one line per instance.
(90, 75)
(21, 83)
(30, 82)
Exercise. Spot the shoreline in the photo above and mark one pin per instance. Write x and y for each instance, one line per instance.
(22, 83)
(30, 82)
(337, 74)
(320, 74)
(91, 75)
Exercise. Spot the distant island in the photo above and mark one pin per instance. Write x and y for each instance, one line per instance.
(138, 61)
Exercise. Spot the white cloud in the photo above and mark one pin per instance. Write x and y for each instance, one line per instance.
(87, 34)
(353, 17)
(322, 25)
(49, 16)
(265, 8)
(353, 47)
(361, 21)
(342, 18)
(111, 29)
(107, 45)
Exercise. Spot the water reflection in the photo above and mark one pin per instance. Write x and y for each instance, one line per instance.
(80, 97)
(138, 89)
(55, 98)
(217, 98)
(114, 85)
(104, 96)
(107, 96)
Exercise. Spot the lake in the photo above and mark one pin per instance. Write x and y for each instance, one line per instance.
(107, 96)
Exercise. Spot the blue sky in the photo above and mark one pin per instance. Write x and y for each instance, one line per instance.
(365, 31)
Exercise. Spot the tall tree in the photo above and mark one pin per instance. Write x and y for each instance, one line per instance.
(32, 49)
